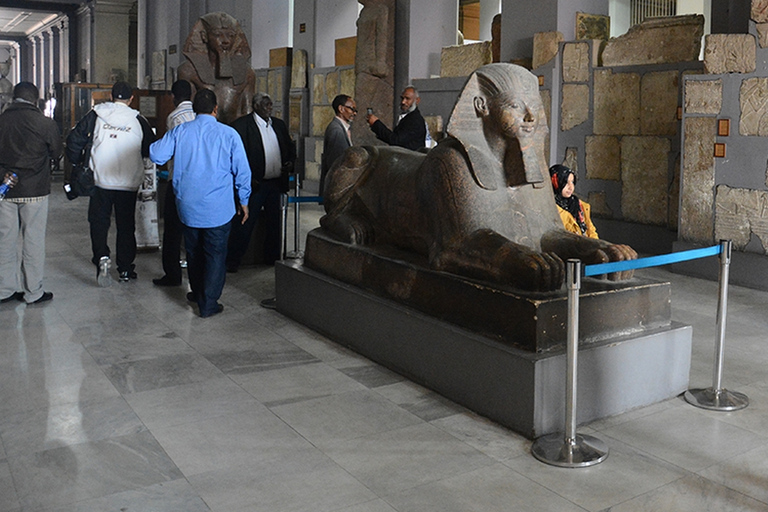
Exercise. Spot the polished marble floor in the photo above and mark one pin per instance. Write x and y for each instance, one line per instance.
(122, 399)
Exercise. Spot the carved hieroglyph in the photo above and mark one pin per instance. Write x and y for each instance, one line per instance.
(644, 181)
(729, 53)
(739, 213)
(616, 103)
(576, 62)
(463, 59)
(657, 41)
(759, 11)
(703, 96)
(545, 47)
(658, 99)
(753, 98)
(698, 180)
(575, 108)
(603, 157)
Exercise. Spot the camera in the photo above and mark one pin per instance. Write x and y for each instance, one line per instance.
(370, 111)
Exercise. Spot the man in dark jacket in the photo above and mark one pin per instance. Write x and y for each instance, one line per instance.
(411, 130)
(271, 155)
(28, 142)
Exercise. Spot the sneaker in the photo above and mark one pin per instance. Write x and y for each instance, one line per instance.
(17, 296)
(102, 271)
(126, 275)
(44, 298)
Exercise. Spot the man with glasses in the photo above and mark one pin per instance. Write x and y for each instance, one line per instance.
(337, 135)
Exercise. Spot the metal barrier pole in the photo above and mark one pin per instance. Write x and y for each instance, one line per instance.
(568, 449)
(296, 226)
(716, 398)
(284, 221)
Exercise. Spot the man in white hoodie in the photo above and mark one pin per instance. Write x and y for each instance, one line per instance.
(121, 138)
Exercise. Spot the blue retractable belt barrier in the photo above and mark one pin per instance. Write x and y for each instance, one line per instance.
(305, 199)
(651, 261)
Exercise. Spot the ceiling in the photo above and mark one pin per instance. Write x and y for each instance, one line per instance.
(19, 18)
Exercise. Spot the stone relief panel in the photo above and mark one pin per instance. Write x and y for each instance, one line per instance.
(576, 62)
(299, 69)
(753, 98)
(575, 108)
(603, 157)
(644, 181)
(657, 41)
(332, 85)
(462, 60)
(762, 34)
(759, 11)
(347, 78)
(729, 53)
(698, 181)
(318, 88)
(658, 99)
(545, 47)
(616, 103)
(571, 159)
(739, 213)
(703, 96)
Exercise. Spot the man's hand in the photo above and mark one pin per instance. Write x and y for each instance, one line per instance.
(244, 212)
(371, 119)
(11, 177)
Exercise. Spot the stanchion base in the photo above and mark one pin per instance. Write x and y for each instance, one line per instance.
(269, 303)
(294, 255)
(585, 451)
(716, 400)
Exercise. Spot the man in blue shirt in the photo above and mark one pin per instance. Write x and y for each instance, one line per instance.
(208, 157)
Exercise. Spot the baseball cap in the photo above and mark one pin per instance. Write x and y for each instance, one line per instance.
(122, 91)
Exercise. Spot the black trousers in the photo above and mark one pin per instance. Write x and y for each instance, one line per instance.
(172, 235)
(268, 198)
(99, 212)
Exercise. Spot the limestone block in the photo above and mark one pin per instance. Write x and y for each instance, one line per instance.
(703, 96)
(318, 88)
(762, 34)
(294, 115)
(753, 98)
(435, 126)
(698, 181)
(345, 49)
(319, 150)
(616, 108)
(657, 41)
(462, 60)
(599, 204)
(729, 53)
(575, 108)
(644, 182)
(674, 196)
(347, 79)
(571, 159)
(321, 116)
(332, 85)
(759, 11)
(280, 57)
(261, 84)
(299, 69)
(545, 47)
(739, 213)
(312, 171)
(658, 102)
(576, 62)
(603, 157)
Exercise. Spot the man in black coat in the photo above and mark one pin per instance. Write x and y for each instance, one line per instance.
(411, 130)
(271, 155)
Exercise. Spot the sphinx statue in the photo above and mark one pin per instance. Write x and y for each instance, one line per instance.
(479, 205)
(218, 58)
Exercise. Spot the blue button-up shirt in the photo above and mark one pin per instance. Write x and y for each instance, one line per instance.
(209, 163)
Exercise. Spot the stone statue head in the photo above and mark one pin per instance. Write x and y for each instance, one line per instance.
(500, 121)
(217, 47)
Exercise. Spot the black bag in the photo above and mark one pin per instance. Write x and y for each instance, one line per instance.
(81, 180)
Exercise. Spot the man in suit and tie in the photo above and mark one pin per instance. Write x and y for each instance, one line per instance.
(337, 134)
(410, 131)
(271, 155)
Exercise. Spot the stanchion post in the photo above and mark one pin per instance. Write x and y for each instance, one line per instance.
(568, 449)
(284, 222)
(296, 224)
(717, 398)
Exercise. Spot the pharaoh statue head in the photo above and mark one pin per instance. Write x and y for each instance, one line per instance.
(217, 48)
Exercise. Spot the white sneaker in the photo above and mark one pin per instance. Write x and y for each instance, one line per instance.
(102, 272)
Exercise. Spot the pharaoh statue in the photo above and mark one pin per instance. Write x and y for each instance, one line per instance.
(375, 65)
(478, 205)
(218, 58)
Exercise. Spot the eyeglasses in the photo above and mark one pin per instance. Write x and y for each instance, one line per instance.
(353, 109)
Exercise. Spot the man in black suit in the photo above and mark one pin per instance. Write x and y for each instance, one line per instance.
(411, 130)
(271, 155)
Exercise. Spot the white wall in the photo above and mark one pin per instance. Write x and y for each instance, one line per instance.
(271, 28)
(488, 9)
(697, 7)
(433, 25)
(619, 11)
(334, 19)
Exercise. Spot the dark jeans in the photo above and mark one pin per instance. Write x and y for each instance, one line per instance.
(206, 256)
(99, 213)
(267, 197)
(172, 234)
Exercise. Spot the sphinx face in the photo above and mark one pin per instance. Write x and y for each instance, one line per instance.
(221, 40)
(516, 116)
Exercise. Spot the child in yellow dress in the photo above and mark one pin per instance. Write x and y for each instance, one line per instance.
(574, 213)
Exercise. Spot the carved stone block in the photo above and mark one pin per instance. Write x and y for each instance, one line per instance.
(603, 157)
(280, 57)
(729, 53)
(321, 116)
(759, 11)
(698, 181)
(600, 208)
(462, 60)
(545, 47)
(616, 103)
(703, 96)
(576, 62)
(347, 79)
(658, 100)
(674, 196)
(332, 85)
(644, 169)
(312, 171)
(571, 159)
(261, 84)
(753, 97)
(299, 69)
(739, 213)
(575, 108)
(345, 48)
(318, 88)
(657, 41)
(762, 34)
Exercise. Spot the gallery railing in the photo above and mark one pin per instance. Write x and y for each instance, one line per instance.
(568, 449)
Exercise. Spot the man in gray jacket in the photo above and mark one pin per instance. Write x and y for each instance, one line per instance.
(28, 142)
